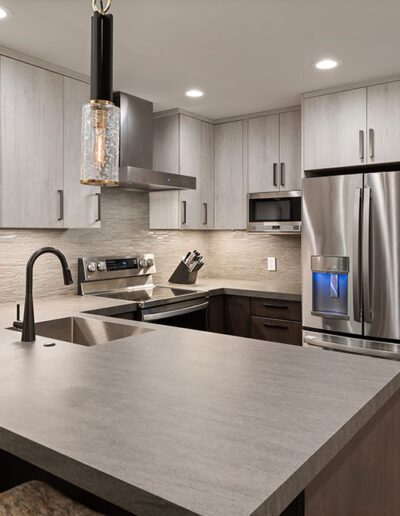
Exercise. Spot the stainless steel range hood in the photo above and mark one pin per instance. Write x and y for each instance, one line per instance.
(136, 149)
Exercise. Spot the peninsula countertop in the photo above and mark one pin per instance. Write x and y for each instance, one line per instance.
(177, 421)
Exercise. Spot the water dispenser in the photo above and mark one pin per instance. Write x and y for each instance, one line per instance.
(330, 275)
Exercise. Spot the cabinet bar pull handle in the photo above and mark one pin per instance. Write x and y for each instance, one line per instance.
(61, 193)
(282, 174)
(371, 143)
(275, 173)
(205, 221)
(361, 143)
(285, 307)
(281, 327)
(98, 207)
(184, 203)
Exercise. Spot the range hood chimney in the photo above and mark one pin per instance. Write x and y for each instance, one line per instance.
(136, 149)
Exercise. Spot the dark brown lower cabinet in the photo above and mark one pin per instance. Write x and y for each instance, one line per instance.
(216, 314)
(237, 316)
(276, 330)
(258, 318)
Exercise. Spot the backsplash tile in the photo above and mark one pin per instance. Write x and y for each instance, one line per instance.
(238, 254)
(125, 230)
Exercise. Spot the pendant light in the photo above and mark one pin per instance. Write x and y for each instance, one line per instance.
(100, 117)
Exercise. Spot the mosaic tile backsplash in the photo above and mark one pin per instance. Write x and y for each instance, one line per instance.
(125, 230)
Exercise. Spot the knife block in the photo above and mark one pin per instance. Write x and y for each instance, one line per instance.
(183, 275)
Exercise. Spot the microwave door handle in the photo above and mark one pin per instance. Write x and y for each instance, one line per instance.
(356, 255)
(366, 235)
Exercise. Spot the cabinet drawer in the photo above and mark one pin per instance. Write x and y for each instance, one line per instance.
(276, 309)
(276, 330)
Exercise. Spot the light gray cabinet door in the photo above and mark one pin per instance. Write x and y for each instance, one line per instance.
(31, 146)
(383, 108)
(290, 151)
(230, 195)
(207, 175)
(190, 149)
(263, 154)
(165, 206)
(81, 202)
(334, 130)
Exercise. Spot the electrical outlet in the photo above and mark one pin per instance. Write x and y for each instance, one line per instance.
(271, 262)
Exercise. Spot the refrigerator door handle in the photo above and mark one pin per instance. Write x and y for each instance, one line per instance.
(356, 255)
(366, 256)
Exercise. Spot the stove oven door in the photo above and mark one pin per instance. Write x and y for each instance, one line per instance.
(191, 314)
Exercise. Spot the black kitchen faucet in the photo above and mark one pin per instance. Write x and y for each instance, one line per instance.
(28, 324)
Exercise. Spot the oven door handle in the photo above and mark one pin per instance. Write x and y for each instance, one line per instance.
(313, 341)
(173, 313)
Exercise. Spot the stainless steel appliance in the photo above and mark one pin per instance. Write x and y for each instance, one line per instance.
(274, 212)
(136, 149)
(131, 278)
(351, 263)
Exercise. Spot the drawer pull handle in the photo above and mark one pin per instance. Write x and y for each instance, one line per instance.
(281, 327)
(267, 305)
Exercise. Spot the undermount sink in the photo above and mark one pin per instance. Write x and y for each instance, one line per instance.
(85, 331)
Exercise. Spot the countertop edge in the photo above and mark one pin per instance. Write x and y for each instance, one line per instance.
(294, 485)
(92, 480)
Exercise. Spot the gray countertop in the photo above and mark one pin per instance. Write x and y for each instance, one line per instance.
(262, 288)
(179, 422)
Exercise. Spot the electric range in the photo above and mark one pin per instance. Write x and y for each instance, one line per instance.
(130, 278)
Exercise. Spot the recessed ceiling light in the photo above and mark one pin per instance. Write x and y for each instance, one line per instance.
(4, 12)
(326, 64)
(194, 93)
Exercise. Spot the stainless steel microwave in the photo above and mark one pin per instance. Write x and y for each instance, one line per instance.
(274, 212)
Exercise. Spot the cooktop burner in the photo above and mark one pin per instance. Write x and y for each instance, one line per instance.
(147, 294)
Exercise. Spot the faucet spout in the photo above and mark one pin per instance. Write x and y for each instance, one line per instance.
(28, 326)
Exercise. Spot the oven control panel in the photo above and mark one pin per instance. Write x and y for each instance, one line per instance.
(95, 268)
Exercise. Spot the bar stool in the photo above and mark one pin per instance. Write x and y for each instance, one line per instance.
(39, 499)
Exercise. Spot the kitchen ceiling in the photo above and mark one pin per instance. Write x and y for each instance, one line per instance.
(246, 55)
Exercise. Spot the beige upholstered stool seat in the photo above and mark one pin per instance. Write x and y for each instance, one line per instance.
(39, 499)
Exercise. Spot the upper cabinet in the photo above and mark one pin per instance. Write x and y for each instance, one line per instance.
(40, 120)
(190, 165)
(290, 150)
(383, 115)
(31, 122)
(263, 158)
(82, 202)
(274, 152)
(207, 175)
(229, 159)
(355, 127)
(230, 191)
(184, 145)
(334, 129)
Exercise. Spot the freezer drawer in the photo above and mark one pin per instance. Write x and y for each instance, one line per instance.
(324, 341)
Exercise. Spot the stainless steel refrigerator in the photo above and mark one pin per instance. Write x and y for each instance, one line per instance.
(351, 263)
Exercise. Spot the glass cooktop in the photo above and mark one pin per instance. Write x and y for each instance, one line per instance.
(147, 294)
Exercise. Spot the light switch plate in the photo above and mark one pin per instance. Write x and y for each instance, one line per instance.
(271, 261)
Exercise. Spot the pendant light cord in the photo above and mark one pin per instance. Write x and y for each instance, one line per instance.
(101, 9)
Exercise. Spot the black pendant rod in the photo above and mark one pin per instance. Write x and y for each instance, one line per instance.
(101, 75)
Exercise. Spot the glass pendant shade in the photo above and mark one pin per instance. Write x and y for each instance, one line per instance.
(100, 143)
